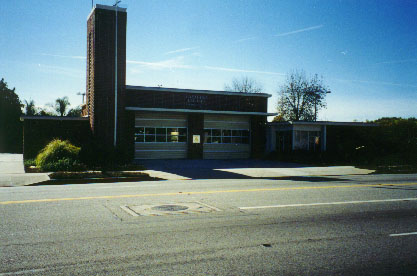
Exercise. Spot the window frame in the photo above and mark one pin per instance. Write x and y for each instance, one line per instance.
(154, 133)
(231, 138)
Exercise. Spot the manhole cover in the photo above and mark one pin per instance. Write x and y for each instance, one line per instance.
(182, 208)
(169, 208)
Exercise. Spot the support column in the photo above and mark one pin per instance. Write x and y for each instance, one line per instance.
(258, 136)
(195, 127)
(323, 138)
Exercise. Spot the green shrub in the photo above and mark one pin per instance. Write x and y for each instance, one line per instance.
(65, 164)
(58, 155)
(29, 162)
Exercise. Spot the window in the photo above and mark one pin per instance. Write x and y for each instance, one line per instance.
(226, 136)
(306, 140)
(160, 135)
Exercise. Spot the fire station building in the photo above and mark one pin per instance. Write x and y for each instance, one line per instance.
(163, 123)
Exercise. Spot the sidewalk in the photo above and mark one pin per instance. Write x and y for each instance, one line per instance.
(239, 169)
(12, 172)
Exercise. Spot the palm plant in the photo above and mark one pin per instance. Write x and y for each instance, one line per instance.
(30, 109)
(61, 105)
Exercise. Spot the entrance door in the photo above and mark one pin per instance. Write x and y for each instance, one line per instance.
(283, 141)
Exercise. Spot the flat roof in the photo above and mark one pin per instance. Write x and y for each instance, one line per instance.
(180, 90)
(323, 123)
(105, 7)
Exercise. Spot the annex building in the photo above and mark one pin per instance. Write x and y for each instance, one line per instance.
(163, 123)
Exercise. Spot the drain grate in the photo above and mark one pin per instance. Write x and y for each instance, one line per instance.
(182, 208)
(170, 208)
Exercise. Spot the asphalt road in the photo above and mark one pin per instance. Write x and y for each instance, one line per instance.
(348, 225)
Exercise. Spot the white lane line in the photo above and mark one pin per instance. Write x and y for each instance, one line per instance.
(329, 203)
(403, 234)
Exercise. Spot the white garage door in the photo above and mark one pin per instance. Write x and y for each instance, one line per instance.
(160, 135)
(226, 137)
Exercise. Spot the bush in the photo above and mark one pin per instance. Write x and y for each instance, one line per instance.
(59, 155)
(29, 162)
(65, 164)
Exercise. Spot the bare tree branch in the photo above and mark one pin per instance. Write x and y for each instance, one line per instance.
(245, 85)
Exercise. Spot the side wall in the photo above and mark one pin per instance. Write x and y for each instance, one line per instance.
(258, 141)
(37, 133)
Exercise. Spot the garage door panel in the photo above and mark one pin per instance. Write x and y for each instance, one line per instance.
(152, 123)
(229, 122)
(226, 151)
(223, 149)
(164, 150)
(160, 150)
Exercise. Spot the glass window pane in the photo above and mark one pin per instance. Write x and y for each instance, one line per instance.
(139, 130)
(173, 138)
(182, 139)
(172, 131)
(149, 130)
(227, 132)
(245, 133)
(314, 133)
(161, 138)
(182, 131)
(236, 132)
(207, 136)
(149, 138)
(215, 140)
(227, 140)
(245, 140)
(216, 132)
(161, 131)
(139, 138)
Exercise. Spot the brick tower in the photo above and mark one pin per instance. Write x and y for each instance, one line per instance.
(105, 88)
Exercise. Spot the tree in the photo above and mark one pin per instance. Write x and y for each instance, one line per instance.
(61, 105)
(30, 109)
(245, 85)
(300, 98)
(75, 112)
(45, 112)
(10, 126)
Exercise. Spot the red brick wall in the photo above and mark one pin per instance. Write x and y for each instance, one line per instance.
(101, 77)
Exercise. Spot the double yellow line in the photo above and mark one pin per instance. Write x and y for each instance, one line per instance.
(200, 193)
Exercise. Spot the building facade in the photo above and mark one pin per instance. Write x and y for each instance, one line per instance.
(163, 123)
(286, 137)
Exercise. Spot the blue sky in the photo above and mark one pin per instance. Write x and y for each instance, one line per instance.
(366, 51)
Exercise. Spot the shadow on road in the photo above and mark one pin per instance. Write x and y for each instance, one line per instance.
(216, 169)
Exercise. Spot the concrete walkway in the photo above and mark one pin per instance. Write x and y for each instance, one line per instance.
(239, 169)
(12, 172)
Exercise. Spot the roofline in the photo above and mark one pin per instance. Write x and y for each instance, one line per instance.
(323, 123)
(105, 7)
(57, 118)
(180, 90)
(130, 108)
